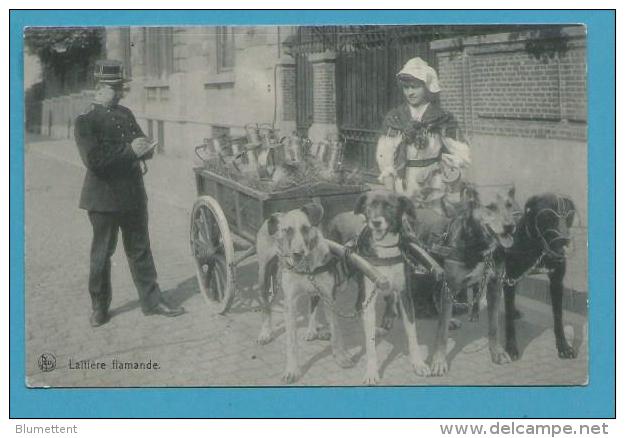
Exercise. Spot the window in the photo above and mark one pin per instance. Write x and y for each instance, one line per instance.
(151, 94)
(157, 94)
(225, 48)
(159, 51)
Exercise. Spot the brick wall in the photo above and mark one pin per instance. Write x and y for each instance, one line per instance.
(494, 85)
(450, 72)
(573, 84)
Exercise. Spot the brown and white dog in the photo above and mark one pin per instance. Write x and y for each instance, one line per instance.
(498, 213)
(376, 224)
(294, 256)
(478, 237)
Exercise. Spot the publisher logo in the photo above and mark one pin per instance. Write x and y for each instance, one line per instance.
(46, 362)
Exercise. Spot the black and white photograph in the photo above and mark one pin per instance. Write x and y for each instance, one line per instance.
(332, 205)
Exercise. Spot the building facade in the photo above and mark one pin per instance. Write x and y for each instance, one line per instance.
(191, 83)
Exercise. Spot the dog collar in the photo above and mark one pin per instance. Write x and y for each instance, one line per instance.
(393, 244)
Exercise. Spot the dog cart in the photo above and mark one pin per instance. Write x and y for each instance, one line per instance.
(232, 206)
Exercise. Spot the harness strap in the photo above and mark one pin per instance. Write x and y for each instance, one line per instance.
(329, 266)
(425, 162)
(448, 252)
(385, 261)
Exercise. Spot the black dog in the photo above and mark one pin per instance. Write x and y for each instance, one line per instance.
(540, 240)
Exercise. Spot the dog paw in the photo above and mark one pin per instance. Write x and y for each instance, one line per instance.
(290, 376)
(454, 324)
(344, 360)
(566, 352)
(512, 351)
(316, 334)
(439, 366)
(324, 335)
(264, 337)
(499, 356)
(371, 378)
(421, 368)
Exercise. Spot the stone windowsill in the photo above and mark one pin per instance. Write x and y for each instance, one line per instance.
(156, 83)
(220, 80)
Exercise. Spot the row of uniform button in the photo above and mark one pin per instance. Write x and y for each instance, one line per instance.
(133, 131)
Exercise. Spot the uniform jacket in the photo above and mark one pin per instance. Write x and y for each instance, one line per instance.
(114, 181)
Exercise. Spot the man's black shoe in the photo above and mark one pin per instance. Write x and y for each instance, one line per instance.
(164, 309)
(98, 318)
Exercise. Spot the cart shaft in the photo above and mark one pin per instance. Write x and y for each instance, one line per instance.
(367, 269)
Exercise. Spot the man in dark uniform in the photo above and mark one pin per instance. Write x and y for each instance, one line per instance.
(112, 147)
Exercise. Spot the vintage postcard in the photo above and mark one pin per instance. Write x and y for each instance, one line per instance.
(392, 205)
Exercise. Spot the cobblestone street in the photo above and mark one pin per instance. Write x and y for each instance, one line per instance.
(202, 348)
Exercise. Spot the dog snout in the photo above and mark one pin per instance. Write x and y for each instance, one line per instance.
(297, 247)
(378, 222)
(508, 228)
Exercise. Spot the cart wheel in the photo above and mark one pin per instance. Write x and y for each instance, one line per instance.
(213, 251)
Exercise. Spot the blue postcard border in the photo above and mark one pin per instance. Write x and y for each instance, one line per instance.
(596, 400)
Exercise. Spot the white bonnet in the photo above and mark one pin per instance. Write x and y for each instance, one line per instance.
(419, 69)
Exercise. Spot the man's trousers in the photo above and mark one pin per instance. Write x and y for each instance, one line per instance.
(135, 237)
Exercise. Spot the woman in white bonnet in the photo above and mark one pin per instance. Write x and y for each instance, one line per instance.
(421, 152)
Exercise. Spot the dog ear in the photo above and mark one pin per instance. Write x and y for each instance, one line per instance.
(314, 212)
(272, 223)
(530, 205)
(570, 210)
(359, 208)
(470, 196)
(406, 207)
